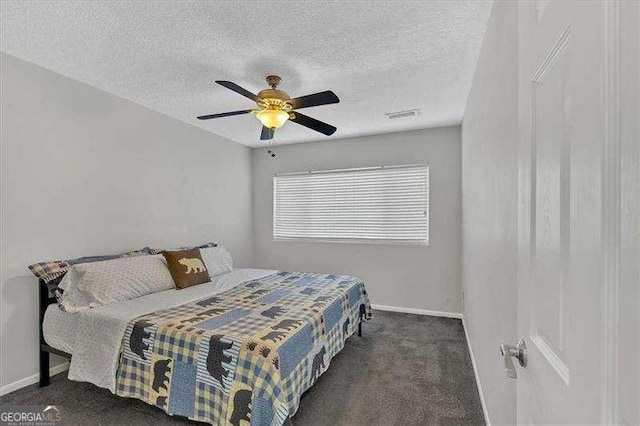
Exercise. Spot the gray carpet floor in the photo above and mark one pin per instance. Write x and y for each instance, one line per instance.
(404, 370)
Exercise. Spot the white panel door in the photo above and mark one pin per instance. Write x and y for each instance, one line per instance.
(565, 113)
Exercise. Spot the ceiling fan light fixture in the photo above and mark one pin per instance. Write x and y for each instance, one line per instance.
(272, 118)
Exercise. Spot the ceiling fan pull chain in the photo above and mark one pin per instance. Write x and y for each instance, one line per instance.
(272, 147)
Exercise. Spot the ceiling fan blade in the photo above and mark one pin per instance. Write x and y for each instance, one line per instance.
(313, 124)
(316, 99)
(244, 92)
(223, 114)
(266, 133)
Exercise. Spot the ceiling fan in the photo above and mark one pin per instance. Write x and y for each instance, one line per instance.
(276, 107)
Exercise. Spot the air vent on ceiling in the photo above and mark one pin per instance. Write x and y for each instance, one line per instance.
(402, 114)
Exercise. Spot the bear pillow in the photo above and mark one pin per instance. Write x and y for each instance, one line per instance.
(186, 267)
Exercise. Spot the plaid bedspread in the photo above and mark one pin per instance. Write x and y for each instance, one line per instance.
(244, 355)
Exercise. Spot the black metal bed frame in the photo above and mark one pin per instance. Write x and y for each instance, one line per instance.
(45, 300)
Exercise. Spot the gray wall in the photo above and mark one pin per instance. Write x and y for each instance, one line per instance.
(489, 197)
(396, 275)
(85, 172)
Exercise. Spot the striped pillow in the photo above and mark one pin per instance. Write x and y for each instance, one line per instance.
(49, 271)
(201, 246)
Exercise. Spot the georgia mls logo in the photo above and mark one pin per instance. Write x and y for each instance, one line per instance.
(51, 414)
(37, 415)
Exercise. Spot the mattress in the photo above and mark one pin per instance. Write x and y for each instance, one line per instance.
(61, 328)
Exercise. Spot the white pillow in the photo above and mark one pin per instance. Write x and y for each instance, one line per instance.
(88, 285)
(217, 260)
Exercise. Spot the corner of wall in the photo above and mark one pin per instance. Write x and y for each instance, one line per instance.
(489, 211)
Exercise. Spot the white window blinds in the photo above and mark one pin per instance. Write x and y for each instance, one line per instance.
(385, 204)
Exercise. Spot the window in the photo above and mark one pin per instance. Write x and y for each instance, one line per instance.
(378, 204)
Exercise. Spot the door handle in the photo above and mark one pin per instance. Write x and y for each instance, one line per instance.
(518, 352)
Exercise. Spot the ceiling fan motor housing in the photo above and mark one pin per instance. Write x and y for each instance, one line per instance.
(273, 97)
(274, 94)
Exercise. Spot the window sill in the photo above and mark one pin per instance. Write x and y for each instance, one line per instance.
(352, 241)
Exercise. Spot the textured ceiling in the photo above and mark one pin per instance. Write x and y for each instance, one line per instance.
(376, 56)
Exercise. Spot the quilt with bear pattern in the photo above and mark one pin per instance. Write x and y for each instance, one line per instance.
(245, 355)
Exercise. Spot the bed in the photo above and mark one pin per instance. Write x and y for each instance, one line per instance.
(241, 348)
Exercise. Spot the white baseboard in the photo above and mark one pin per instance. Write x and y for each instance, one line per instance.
(417, 311)
(18, 384)
(475, 372)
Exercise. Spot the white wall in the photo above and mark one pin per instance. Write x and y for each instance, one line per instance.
(397, 275)
(85, 172)
(489, 197)
(628, 335)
